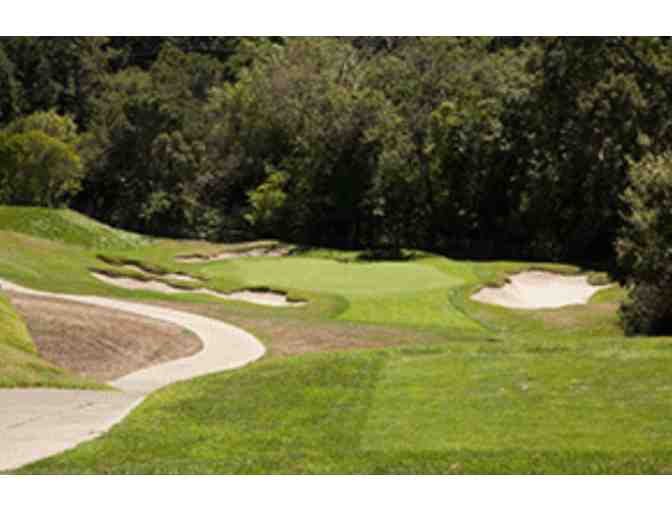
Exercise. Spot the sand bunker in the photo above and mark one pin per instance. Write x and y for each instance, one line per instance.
(540, 289)
(255, 252)
(257, 297)
(172, 276)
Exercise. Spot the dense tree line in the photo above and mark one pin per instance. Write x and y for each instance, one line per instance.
(502, 146)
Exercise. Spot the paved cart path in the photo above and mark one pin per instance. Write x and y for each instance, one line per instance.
(37, 423)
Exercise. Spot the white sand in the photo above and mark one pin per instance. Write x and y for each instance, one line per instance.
(256, 252)
(172, 276)
(539, 289)
(266, 298)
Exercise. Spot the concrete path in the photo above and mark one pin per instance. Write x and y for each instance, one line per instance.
(37, 423)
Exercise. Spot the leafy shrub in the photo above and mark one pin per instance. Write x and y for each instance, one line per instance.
(267, 202)
(644, 247)
(60, 127)
(647, 310)
(36, 169)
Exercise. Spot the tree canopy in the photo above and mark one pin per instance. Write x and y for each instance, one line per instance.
(491, 146)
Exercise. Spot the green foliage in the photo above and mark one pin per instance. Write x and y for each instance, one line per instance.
(302, 109)
(644, 253)
(62, 73)
(267, 202)
(9, 90)
(59, 127)
(515, 146)
(148, 165)
(36, 169)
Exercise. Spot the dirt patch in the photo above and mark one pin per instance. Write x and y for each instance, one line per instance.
(286, 336)
(539, 289)
(254, 252)
(257, 297)
(100, 343)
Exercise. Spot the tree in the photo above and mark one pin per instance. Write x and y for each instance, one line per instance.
(302, 109)
(267, 203)
(9, 90)
(61, 73)
(38, 170)
(590, 109)
(644, 247)
(60, 127)
(149, 167)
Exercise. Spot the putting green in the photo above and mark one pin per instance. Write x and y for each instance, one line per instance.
(346, 279)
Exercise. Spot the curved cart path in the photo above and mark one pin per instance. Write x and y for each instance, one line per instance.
(37, 423)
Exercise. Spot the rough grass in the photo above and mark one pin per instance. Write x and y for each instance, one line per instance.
(66, 226)
(20, 364)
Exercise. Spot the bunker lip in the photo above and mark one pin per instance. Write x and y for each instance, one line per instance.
(131, 265)
(227, 255)
(172, 276)
(536, 289)
(255, 296)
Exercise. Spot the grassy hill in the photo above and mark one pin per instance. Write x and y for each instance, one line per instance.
(66, 226)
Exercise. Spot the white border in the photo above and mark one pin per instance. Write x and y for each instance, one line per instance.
(343, 17)
(337, 493)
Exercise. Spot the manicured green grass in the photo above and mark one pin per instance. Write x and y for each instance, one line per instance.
(20, 363)
(477, 389)
(357, 279)
(440, 409)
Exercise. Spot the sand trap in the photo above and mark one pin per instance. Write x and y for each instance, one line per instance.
(257, 297)
(540, 289)
(255, 252)
(172, 276)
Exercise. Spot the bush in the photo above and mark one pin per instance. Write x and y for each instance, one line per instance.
(647, 310)
(644, 247)
(50, 123)
(38, 170)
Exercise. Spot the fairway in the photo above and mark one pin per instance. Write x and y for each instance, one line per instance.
(489, 401)
(411, 410)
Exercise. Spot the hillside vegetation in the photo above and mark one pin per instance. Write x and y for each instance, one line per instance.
(66, 226)
(479, 147)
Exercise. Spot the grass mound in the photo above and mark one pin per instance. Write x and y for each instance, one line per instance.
(20, 363)
(66, 226)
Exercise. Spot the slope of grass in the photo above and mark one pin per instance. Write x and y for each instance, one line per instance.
(20, 363)
(66, 226)
(440, 409)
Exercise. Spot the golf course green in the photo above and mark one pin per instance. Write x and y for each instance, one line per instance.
(398, 370)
